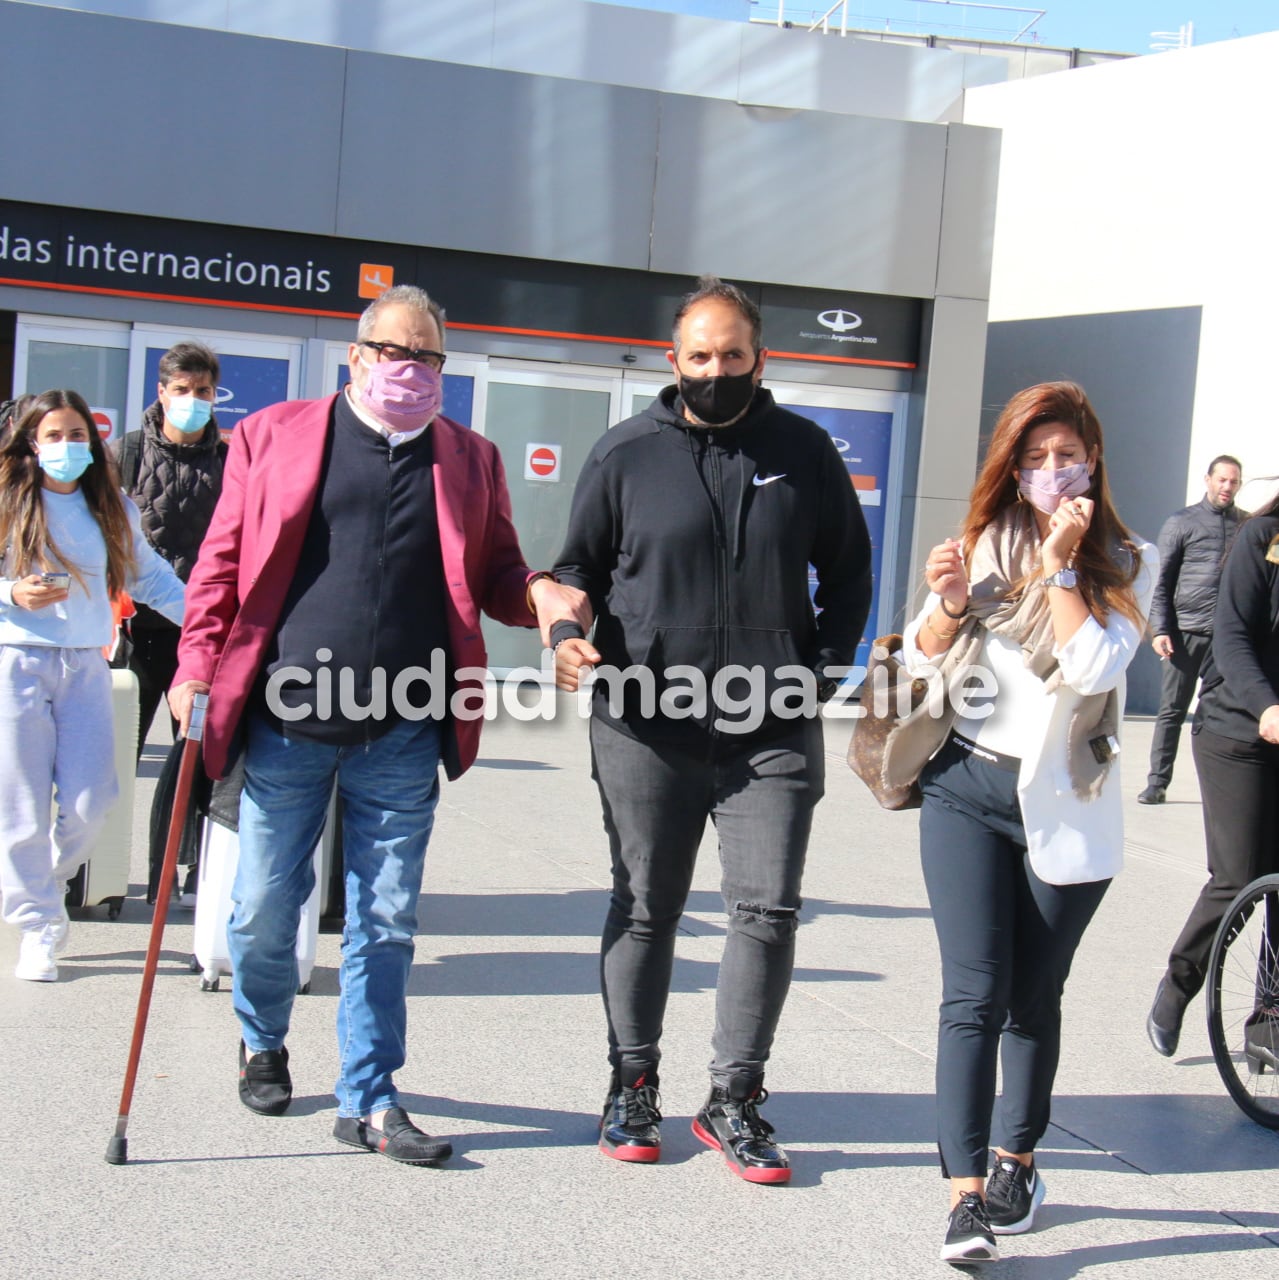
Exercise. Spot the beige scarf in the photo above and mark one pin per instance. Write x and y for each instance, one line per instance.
(1007, 552)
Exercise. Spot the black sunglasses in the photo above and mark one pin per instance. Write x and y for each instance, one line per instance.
(393, 351)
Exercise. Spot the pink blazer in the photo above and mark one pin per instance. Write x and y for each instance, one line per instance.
(250, 553)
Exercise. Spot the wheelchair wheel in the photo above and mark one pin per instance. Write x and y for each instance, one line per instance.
(1243, 1000)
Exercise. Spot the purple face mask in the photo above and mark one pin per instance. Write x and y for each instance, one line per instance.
(1046, 489)
(403, 395)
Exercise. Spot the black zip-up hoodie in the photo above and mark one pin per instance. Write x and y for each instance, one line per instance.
(694, 545)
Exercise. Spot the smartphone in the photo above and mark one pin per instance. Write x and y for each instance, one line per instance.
(62, 580)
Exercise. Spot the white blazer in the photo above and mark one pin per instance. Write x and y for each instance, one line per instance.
(1070, 841)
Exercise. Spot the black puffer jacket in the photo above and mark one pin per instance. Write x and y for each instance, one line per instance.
(176, 488)
(1192, 549)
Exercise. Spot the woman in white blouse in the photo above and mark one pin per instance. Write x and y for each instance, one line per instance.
(1040, 605)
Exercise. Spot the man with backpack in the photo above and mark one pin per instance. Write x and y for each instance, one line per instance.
(172, 468)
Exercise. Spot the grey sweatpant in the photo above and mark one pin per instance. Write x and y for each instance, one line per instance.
(56, 732)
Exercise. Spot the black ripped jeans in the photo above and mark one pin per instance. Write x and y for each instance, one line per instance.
(656, 802)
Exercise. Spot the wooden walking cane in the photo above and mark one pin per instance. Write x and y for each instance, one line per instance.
(118, 1147)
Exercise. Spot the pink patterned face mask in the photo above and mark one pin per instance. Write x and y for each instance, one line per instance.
(403, 395)
(1046, 489)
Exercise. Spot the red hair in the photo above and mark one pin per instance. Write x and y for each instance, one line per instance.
(1104, 582)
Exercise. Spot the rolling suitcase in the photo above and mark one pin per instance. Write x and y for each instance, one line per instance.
(219, 856)
(104, 879)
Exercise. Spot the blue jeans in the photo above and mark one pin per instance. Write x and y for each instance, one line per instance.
(389, 790)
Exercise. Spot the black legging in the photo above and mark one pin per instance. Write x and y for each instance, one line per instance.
(1239, 785)
(154, 660)
(1007, 939)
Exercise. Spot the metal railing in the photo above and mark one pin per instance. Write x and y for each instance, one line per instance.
(837, 18)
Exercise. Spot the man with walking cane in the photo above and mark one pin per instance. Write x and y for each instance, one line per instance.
(340, 585)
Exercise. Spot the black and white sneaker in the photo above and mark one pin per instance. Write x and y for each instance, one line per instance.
(1013, 1194)
(968, 1235)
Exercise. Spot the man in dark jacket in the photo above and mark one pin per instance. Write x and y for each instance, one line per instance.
(1192, 548)
(692, 531)
(172, 468)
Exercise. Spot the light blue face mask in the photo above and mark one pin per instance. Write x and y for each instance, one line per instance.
(188, 414)
(65, 460)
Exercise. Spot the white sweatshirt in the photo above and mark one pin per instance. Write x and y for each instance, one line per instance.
(84, 620)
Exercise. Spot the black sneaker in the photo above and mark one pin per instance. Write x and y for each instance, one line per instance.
(265, 1084)
(968, 1234)
(1163, 1022)
(630, 1128)
(398, 1138)
(1012, 1196)
(732, 1124)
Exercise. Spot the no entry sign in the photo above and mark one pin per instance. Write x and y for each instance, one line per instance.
(542, 462)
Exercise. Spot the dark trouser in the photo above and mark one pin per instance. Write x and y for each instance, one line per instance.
(1007, 940)
(154, 660)
(1181, 674)
(1239, 783)
(656, 802)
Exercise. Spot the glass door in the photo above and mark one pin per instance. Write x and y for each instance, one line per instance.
(868, 428)
(256, 371)
(544, 420)
(87, 356)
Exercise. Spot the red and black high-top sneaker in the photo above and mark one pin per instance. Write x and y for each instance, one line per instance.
(730, 1122)
(630, 1128)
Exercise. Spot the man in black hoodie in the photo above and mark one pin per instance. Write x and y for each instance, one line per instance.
(692, 531)
(172, 468)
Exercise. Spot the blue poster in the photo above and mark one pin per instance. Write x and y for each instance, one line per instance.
(247, 384)
(459, 394)
(864, 438)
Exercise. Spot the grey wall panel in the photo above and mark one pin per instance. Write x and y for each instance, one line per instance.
(615, 45)
(850, 77)
(968, 212)
(444, 30)
(497, 162)
(1138, 368)
(173, 122)
(810, 199)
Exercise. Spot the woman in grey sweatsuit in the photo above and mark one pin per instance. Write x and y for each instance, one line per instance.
(71, 541)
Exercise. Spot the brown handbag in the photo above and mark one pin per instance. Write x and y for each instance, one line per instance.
(883, 693)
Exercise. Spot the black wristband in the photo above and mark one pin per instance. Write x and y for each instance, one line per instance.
(954, 617)
(565, 629)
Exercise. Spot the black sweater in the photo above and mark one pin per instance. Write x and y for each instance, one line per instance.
(1241, 675)
(368, 590)
(694, 545)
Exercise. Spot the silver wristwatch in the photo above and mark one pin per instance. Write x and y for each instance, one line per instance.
(1066, 578)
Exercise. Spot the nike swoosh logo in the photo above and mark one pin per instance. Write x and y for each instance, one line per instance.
(759, 480)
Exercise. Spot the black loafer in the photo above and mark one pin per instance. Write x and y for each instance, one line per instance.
(398, 1138)
(1152, 795)
(265, 1084)
(1163, 1023)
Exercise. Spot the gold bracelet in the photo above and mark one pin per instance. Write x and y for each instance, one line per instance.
(528, 590)
(941, 635)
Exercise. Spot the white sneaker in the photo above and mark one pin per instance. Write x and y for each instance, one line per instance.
(35, 955)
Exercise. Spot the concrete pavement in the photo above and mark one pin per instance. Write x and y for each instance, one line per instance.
(1150, 1169)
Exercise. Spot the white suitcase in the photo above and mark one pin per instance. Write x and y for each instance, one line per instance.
(104, 879)
(219, 856)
